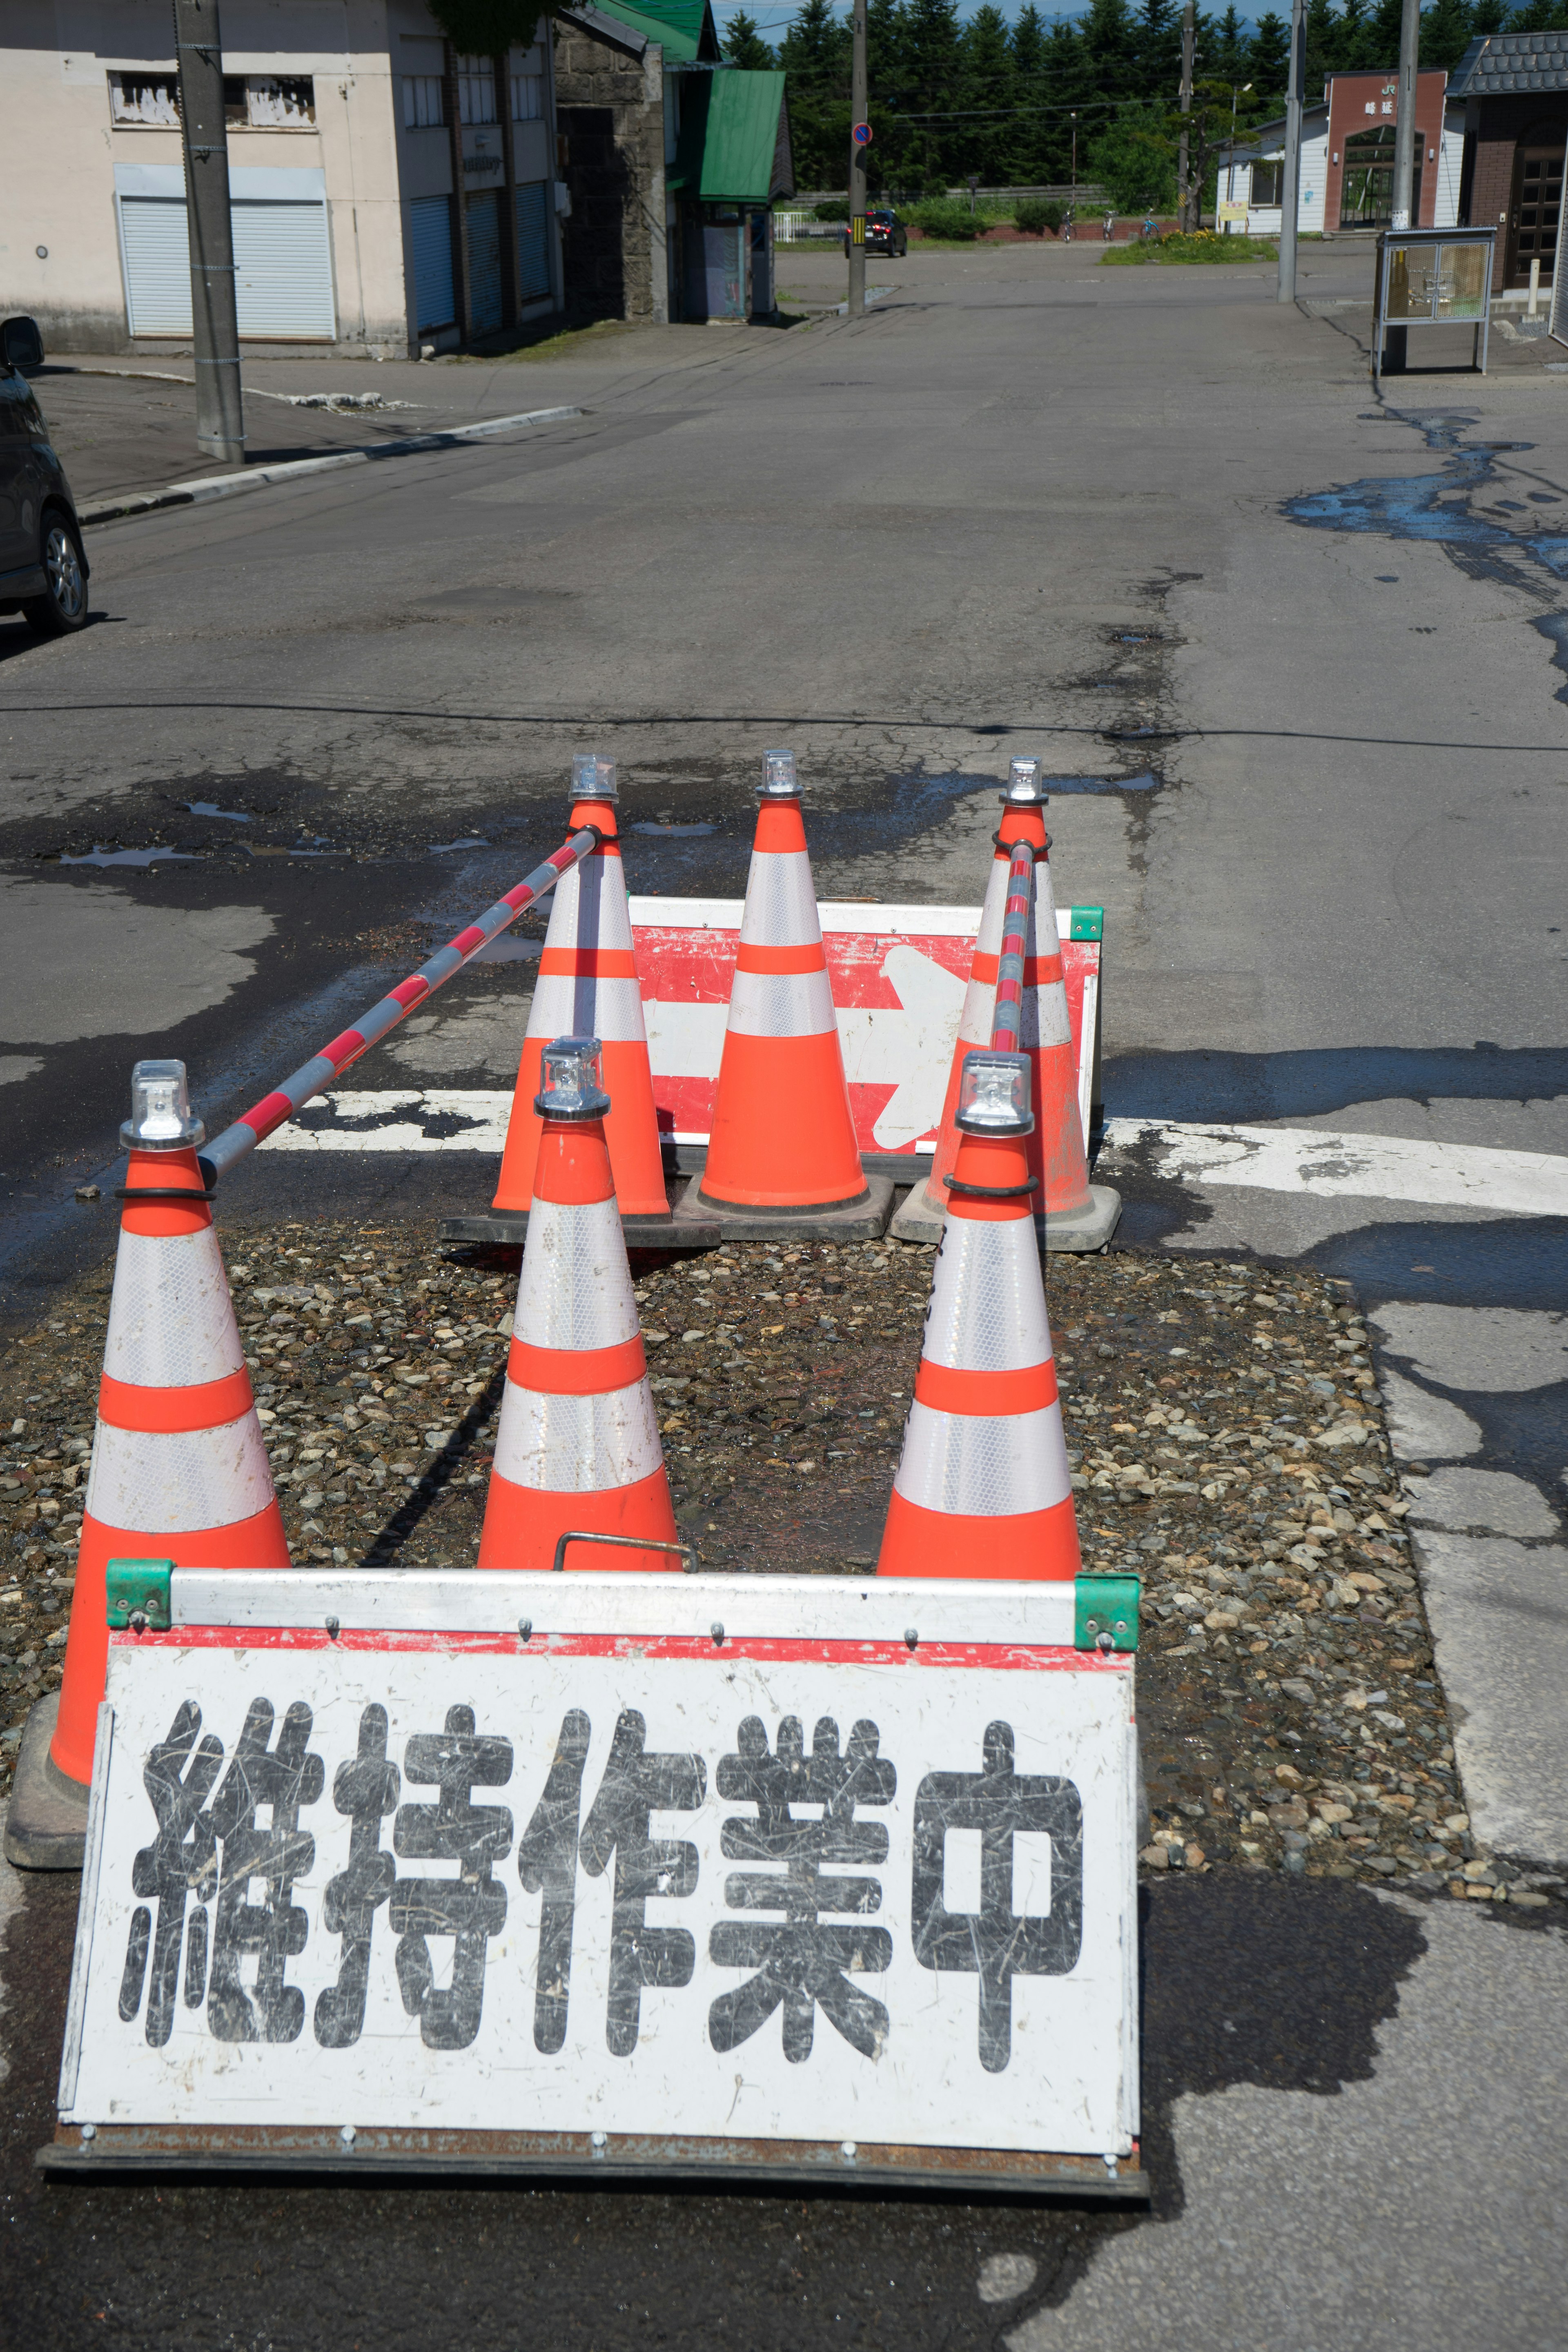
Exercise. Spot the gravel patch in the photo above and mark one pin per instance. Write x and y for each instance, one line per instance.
(1225, 1431)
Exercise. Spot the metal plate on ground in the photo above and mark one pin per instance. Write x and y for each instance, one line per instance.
(638, 1889)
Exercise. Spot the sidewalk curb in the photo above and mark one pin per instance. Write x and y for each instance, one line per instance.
(228, 486)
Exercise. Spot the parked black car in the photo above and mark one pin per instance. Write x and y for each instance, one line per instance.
(43, 565)
(885, 232)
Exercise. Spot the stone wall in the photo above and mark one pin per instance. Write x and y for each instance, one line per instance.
(610, 111)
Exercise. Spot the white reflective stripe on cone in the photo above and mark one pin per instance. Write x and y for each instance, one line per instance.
(993, 910)
(782, 1005)
(590, 908)
(987, 1311)
(171, 1320)
(576, 1006)
(780, 901)
(172, 1482)
(576, 1445)
(984, 1468)
(575, 1289)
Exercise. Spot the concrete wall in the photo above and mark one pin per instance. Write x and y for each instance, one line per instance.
(610, 108)
(58, 148)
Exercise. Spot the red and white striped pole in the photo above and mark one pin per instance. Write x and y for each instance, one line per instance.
(266, 1116)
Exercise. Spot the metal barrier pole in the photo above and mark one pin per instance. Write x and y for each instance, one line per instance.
(1008, 1022)
(265, 1117)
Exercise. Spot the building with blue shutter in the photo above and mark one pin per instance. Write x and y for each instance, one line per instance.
(387, 195)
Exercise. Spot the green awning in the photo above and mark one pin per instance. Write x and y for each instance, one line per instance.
(684, 29)
(734, 138)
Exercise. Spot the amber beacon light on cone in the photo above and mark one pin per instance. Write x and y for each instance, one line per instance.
(179, 1467)
(577, 1449)
(783, 1161)
(983, 1487)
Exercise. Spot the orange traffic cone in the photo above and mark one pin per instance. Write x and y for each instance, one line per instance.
(782, 1157)
(1071, 1212)
(983, 1487)
(179, 1469)
(578, 1446)
(587, 986)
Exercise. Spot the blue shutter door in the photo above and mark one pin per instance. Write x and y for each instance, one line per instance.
(157, 258)
(283, 270)
(484, 261)
(430, 248)
(534, 240)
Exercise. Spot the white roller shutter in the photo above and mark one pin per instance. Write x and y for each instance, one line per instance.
(283, 265)
(283, 270)
(157, 260)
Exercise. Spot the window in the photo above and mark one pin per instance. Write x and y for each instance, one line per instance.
(148, 100)
(527, 97)
(151, 101)
(281, 103)
(476, 90)
(423, 102)
(1268, 183)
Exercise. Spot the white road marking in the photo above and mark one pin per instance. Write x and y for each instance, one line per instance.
(393, 1119)
(1330, 1163)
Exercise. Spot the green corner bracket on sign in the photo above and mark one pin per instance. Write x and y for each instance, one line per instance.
(1088, 922)
(1105, 1613)
(138, 1588)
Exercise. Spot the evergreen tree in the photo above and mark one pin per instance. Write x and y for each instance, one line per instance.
(1110, 49)
(932, 49)
(1269, 62)
(1228, 49)
(745, 46)
(987, 93)
(814, 54)
(1158, 38)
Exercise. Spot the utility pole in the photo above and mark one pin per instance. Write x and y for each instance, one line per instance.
(1290, 195)
(1396, 338)
(1189, 27)
(199, 48)
(858, 167)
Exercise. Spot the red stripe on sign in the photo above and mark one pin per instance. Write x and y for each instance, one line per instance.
(947, 1391)
(590, 963)
(1001, 1657)
(576, 1371)
(166, 1413)
(750, 958)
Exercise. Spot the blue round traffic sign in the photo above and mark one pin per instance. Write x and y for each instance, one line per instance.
(861, 135)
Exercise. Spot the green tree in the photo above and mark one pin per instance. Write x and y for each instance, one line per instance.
(1157, 51)
(986, 95)
(745, 46)
(1134, 158)
(815, 55)
(1228, 49)
(1110, 49)
(1268, 61)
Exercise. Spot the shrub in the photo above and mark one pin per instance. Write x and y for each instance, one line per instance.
(943, 217)
(833, 212)
(1033, 216)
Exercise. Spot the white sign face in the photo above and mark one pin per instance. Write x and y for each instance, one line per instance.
(824, 1890)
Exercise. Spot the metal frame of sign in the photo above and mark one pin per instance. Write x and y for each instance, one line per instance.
(914, 1645)
(1394, 240)
(899, 976)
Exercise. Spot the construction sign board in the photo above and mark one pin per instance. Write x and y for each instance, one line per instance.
(899, 976)
(745, 1876)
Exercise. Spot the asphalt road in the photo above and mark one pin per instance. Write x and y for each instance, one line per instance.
(1293, 655)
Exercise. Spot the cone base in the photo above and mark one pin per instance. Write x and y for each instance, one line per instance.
(921, 1220)
(524, 1524)
(508, 1228)
(865, 1220)
(1022, 1548)
(45, 1828)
